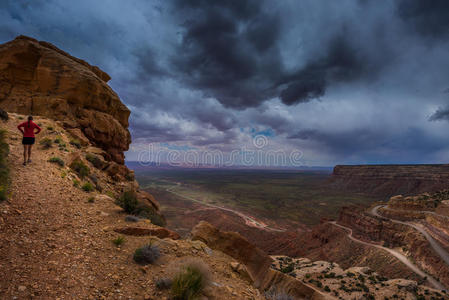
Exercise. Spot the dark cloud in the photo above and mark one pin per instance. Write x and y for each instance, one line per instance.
(442, 114)
(429, 18)
(207, 72)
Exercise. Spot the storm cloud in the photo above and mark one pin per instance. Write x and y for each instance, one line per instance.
(343, 81)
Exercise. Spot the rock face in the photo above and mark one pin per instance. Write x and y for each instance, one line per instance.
(390, 180)
(38, 78)
(257, 262)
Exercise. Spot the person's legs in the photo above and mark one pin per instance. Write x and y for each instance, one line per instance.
(25, 152)
(29, 152)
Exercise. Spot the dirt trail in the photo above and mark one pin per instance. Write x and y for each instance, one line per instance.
(396, 254)
(250, 221)
(51, 240)
(433, 243)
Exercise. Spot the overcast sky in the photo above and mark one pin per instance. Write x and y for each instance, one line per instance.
(338, 81)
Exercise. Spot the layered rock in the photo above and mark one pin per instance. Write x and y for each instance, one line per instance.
(257, 262)
(38, 78)
(390, 180)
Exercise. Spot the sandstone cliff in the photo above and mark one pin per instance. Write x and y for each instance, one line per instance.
(390, 180)
(38, 78)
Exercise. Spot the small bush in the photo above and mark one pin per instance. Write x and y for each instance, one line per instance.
(147, 212)
(46, 143)
(80, 168)
(95, 160)
(58, 140)
(91, 200)
(147, 254)
(128, 201)
(164, 283)
(189, 282)
(88, 187)
(288, 268)
(132, 219)
(76, 143)
(129, 176)
(118, 241)
(50, 128)
(76, 183)
(57, 160)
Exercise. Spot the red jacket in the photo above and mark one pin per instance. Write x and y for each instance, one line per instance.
(28, 128)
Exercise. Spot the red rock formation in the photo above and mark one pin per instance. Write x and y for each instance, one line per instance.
(390, 180)
(38, 78)
(256, 261)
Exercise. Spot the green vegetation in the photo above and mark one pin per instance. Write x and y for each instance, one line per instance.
(147, 254)
(288, 268)
(130, 204)
(94, 160)
(80, 168)
(189, 282)
(276, 195)
(118, 241)
(57, 160)
(46, 143)
(58, 140)
(4, 170)
(91, 200)
(76, 143)
(76, 183)
(87, 187)
(50, 128)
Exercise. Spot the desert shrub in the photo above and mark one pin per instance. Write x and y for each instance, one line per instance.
(147, 254)
(76, 183)
(95, 160)
(129, 176)
(46, 143)
(190, 280)
(288, 268)
(88, 187)
(80, 168)
(4, 169)
(50, 128)
(91, 200)
(57, 140)
(327, 289)
(118, 241)
(76, 143)
(56, 160)
(147, 212)
(128, 201)
(132, 219)
(164, 283)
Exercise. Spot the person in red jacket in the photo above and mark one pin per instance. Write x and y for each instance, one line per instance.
(28, 130)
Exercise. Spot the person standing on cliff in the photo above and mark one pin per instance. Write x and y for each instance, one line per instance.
(28, 131)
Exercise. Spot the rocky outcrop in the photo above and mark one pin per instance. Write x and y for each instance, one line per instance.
(38, 78)
(236, 246)
(257, 262)
(390, 180)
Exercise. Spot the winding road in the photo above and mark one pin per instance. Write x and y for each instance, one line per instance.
(250, 221)
(434, 244)
(396, 254)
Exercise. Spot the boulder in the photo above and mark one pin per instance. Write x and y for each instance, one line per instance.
(40, 79)
(142, 229)
(78, 135)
